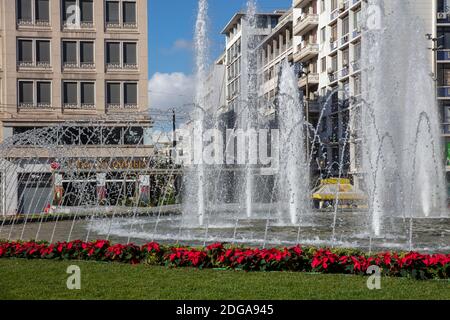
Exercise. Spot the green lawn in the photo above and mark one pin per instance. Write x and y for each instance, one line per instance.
(41, 279)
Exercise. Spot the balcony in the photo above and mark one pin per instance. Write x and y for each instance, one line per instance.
(446, 128)
(34, 106)
(334, 15)
(345, 39)
(443, 56)
(356, 33)
(30, 23)
(121, 107)
(306, 23)
(311, 79)
(76, 106)
(121, 26)
(83, 25)
(306, 52)
(71, 66)
(333, 44)
(443, 17)
(344, 72)
(356, 65)
(301, 3)
(443, 92)
(333, 75)
(121, 67)
(33, 65)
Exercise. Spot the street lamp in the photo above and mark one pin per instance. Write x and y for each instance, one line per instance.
(306, 72)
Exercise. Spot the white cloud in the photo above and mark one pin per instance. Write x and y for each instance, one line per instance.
(177, 46)
(182, 44)
(171, 90)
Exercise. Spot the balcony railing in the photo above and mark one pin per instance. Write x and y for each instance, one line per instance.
(78, 106)
(446, 128)
(333, 75)
(32, 23)
(443, 55)
(306, 51)
(334, 14)
(443, 92)
(119, 66)
(305, 23)
(312, 78)
(356, 65)
(34, 106)
(345, 39)
(33, 65)
(356, 32)
(118, 106)
(121, 25)
(76, 65)
(81, 25)
(333, 44)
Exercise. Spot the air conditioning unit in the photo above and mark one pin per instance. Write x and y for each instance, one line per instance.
(341, 6)
(332, 40)
(442, 15)
(345, 63)
(330, 71)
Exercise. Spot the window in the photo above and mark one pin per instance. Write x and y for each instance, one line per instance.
(34, 94)
(33, 12)
(121, 95)
(323, 64)
(120, 14)
(79, 95)
(33, 53)
(74, 19)
(133, 136)
(121, 55)
(78, 54)
(323, 34)
(322, 6)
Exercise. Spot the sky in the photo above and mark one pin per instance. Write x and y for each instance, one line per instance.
(171, 30)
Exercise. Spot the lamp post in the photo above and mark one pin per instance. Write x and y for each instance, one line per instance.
(304, 71)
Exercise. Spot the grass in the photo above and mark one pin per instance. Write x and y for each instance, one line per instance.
(41, 279)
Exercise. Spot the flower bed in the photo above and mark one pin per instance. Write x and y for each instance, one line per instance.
(218, 255)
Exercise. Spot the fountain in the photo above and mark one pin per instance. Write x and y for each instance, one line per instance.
(402, 172)
(402, 151)
(293, 181)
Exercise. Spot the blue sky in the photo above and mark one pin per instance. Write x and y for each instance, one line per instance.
(171, 29)
(171, 25)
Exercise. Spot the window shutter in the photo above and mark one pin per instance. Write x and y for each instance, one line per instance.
(129, 12)
(129, 53)
(112, 11)
(24, 10)
(130, 93)
(44, 92)
(70, 52)
(43, 51)
(87, 93)
(87, 10)
(87, 52)
(113, 52)
(68, 13)
(42, 10)
(113, 93)
(25, 51)
(70, 93)
(26, 92)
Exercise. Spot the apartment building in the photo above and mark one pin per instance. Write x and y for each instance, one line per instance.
(441, 31)
(272, 52)
(82, 62)
(237, 50)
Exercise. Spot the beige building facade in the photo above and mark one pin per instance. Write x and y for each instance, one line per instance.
(77, 62)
